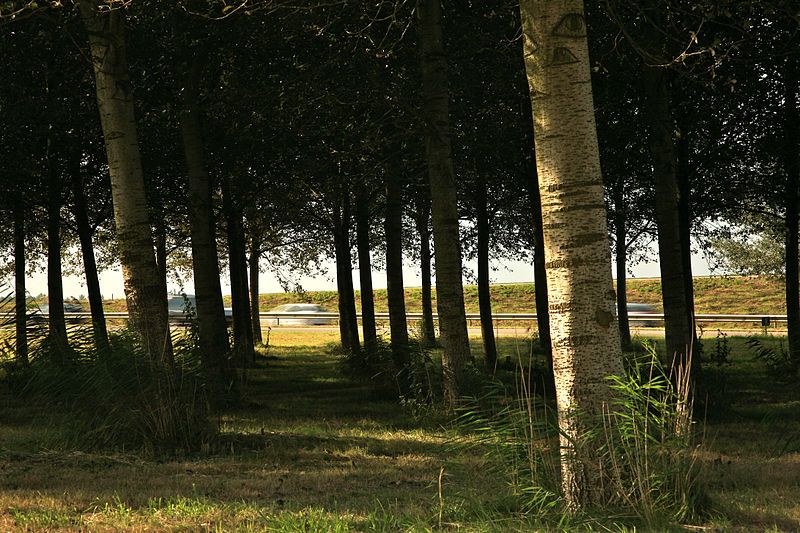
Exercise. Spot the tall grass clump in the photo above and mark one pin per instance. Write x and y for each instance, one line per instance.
(516, 432)
(649, 447)
(644, 441)
(119, 398)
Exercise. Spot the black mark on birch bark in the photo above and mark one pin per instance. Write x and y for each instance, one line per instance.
(555, 225)
(563, 56)
(556, 207)
(560, 307)
(585, 239)
(571, 263)
(554, 187)
(575, 341)
(571, 25)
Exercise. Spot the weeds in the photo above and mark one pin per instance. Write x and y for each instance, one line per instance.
(518, 435)
(722, 350)
(776, 358)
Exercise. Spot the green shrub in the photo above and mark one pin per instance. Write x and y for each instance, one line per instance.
(376, 366)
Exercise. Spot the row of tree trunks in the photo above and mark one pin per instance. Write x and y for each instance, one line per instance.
(444, 202)
(398, 326)
(677, 313)
(422, 220)
(255, 305)
(348, 321)
(365, 272)
(585, 337)
(147, 302)
(484, 294)
(20, 296)
(792, 167)
(212, 330)
(85, 234)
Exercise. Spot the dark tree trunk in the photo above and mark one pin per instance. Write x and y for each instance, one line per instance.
(211, 324)
(540, 271)
(685, 218)
(484, 294)
(89, 263)
(161, 253)
(622, 280)
(255, 307)
(20, 298)
(678, 327)
(365, 272)
(55, 288)
(342, 306)
(393, 229)
(244, 294)
(427, 330)
(792, 166)
(444, 201)
(240, 299)
(348, 321)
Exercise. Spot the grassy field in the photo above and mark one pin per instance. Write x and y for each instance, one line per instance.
(729, 294)
(313, 451)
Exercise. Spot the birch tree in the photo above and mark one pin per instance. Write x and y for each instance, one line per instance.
(583, 324)
(144, 292)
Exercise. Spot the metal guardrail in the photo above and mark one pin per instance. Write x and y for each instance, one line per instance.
(763, 320)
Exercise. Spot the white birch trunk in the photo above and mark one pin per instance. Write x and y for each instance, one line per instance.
(583, 324)
(144, 291)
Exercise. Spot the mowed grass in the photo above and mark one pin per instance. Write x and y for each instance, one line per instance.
(714, 294)
(314, 451)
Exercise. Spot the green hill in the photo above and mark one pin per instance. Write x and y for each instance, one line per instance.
(732, 294)
(719, 294)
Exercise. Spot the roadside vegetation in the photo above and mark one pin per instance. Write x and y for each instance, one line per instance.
(713, 294)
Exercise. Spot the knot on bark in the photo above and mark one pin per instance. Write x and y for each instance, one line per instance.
(603, 317)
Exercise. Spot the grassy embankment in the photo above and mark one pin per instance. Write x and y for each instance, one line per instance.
(310, 452)
(733, 294)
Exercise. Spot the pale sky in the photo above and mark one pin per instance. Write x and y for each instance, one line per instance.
(507, 272)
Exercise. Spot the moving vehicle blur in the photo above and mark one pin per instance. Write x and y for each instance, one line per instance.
(182, 305)
(299, 309)
(639, 308)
